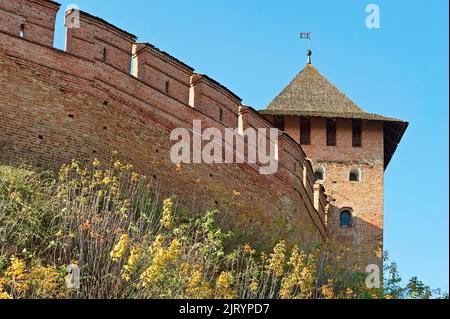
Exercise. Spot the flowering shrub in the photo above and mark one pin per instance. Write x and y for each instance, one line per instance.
(105, 220)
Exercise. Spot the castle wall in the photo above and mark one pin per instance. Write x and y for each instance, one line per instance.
(162, 72)
(57, 106)
(215, 101)
(35, 18)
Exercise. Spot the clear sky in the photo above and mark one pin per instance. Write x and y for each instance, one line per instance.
(399, 70)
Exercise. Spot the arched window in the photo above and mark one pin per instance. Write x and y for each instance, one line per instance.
(346, 219)
(355, 175)
(319, 173)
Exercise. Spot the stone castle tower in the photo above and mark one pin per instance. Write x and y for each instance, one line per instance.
(350, 150)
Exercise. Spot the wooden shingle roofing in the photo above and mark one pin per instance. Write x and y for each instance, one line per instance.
(310, 94)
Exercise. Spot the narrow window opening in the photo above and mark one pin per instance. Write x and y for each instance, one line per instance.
(40, 137)
(305, 131)
(104, 54)
(22, 31)
(279, 123)
(167, 86)
(331, 132)
(356, 137)
(355, 175)
(71, 116)
(346, 219)
(319, 173)
(220, 114)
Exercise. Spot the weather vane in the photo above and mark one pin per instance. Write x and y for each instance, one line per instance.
(307, 35)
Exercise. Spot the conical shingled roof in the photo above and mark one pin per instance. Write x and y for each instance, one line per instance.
(310, 91)
(310, 94)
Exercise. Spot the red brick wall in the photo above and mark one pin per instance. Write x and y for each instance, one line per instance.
(363, 198)
(162, 72)
(57, 106)
(37, 17)
(98, 41)
(209, 98)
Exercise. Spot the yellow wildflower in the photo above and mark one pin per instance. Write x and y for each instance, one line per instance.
(223, 286)
(161, 260)
(45, 281)
(16, 275)
(197, 287)
(96, 163)
(173, 252)
(117, 165)
(74, 165)
(166, 220)
(249, 250)
(178, 168)
(131, 265)
(349, 293)
(120, 248)
(4, 294)
(134, 177)
(277, 258)
(254, 286)
(327, 290)
(106, 180)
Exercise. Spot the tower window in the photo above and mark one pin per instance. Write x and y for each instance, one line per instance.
(331, 132)
(345, 219)
(319, 173)
(356, 137)
(279, 123)
(355, 175)
(305, 131)
(220, 114)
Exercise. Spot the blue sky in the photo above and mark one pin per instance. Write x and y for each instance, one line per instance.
(399, 70)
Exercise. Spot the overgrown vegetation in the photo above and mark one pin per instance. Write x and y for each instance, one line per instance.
(105, 222)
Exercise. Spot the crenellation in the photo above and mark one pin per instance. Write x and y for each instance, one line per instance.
(29, 19)
(162, 72)
(210, 97)
(99, 41)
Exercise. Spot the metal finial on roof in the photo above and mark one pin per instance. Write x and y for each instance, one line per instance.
(307, 35)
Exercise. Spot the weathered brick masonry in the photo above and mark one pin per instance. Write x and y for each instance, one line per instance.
(107, 92)
(82, 103)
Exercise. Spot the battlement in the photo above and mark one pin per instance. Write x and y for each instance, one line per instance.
(31, 19)
(97, 40)
(107, 92)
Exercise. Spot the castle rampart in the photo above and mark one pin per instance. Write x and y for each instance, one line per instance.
(108, 93)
